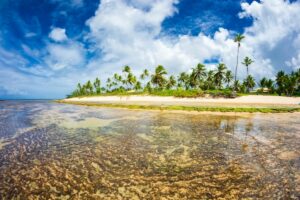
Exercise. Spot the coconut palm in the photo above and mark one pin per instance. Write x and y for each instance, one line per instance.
(148, 87)
(126, 69)
(228, 77)
(220, 75)
(97, 86)
(237, 85)
(263, 82)
(280, 81)
(108, 84)
(131, 80)
(183, 80)
(198, 74)
(89, 87)
(209, 82)
(238, 39)
(249, 82)
(247, 62)
(171, 82)
(158, 78)
(144, 74)
(270, 85)
(138, 86)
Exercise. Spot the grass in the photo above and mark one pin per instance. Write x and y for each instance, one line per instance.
(191, 108)
(175, 93)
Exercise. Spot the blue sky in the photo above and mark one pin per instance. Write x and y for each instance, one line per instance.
(47, 46)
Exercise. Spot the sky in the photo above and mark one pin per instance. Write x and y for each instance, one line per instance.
(48, 46)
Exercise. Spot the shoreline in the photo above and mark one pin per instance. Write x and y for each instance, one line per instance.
(246, 104)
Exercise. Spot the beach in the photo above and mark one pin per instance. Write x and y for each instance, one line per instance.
(243, 101)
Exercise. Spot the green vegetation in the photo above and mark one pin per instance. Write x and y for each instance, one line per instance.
(192, 108)
(199, 82)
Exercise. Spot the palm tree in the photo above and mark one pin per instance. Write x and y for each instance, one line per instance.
(144, 74)
(131, 79)
(79, 89)
(210, 80)
(220, 74)
(263, 82)
(237, 85)
(183, 80)
(247, 62)
(228, 77)
(249, 82)
(199, 72)
(280, 80)
(97, 86)
(238, 39)
(126, 69)
(138, 86)
(270, 85)
(171, 82)
(108, 84)
(158, 78)
(89, 87)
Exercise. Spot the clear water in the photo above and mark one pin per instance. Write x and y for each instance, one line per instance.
(56, 151)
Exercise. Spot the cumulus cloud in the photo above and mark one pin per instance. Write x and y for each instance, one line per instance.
(275, 31)
(63, 56)
(127, 33)
(58, 34)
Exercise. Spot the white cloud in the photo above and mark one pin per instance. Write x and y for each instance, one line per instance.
(275, 31)
(64, 56)
(58, 34)
(127, 33)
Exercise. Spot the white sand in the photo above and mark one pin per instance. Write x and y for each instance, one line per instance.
(157, 100)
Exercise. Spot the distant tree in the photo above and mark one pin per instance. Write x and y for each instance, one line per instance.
(148, 87)
(126, 69)
(89, 87)
(263, 82)
(138, 86)
(249, 83)
(237, 85)
(198, 75)
(158, 77)
(210, 80)
(270, 85)
(171, 82)
(183, 80)
(228, 77)
(280, 81)
(238, 39)
(108, 84)
(247, 62)
(144, 74)
(220, 75)
(131, 80)
(97, 86)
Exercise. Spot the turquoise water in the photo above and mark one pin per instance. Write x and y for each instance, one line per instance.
(57, 151)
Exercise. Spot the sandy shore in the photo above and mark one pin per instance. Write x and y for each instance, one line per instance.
(251, 100)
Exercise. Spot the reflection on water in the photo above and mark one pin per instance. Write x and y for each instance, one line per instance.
(55, 151)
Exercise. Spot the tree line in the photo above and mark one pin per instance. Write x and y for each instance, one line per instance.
(198, 79)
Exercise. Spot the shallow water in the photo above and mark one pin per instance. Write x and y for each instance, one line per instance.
(56, 151)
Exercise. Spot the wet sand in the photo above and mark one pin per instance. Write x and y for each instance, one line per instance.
(59, 151)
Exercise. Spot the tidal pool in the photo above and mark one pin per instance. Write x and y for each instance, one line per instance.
(56, 151)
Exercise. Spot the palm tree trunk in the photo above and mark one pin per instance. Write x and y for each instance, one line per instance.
(237, 63)
(248, 90)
